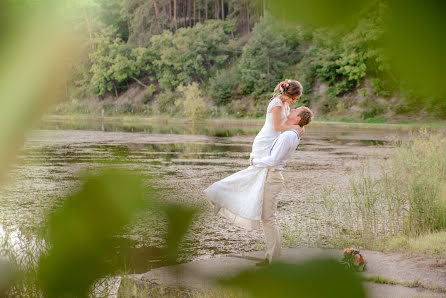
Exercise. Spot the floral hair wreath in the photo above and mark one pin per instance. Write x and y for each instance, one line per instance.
(284, 86)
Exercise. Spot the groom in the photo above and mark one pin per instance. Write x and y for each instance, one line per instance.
(281, 151)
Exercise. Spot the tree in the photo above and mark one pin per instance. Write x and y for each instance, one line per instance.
(191, 54)
(265, 56)
(109, 14)
(113, 63)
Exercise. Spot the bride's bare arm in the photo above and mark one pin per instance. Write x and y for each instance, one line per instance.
(277, 121)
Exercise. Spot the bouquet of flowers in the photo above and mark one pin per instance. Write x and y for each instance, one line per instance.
(353, 260)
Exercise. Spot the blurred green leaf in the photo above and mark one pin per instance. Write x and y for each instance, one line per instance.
(317, 12)
(35, 45)
(179, 219)
(315, 278)
(415, 41)
(81, 232)
(416, 44)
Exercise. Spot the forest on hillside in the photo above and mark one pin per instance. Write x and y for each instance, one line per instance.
(203, 58)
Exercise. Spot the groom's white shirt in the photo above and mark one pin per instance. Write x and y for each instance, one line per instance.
(281, 151)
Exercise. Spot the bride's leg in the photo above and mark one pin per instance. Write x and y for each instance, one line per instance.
(273, 186)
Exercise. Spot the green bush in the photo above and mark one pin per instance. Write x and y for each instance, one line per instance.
(374, 109)
(149, 93)
(364, 92)
(328, 104)
(379, 89)
(127, 108)
(223, 86)
(192, 102)
(166, 102)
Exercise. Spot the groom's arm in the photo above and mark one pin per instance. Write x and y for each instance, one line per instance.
(278, 153)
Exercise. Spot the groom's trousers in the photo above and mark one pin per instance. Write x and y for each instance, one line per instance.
(273, 186)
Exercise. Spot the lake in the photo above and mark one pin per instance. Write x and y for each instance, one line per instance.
(184, 159)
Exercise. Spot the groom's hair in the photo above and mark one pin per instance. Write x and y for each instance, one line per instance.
(306, 115)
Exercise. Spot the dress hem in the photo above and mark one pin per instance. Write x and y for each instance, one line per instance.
(246, 223)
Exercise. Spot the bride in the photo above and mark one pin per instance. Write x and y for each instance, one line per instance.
(239, 197)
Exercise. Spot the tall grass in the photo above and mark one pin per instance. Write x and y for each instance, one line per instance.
(22, 249)
(403, 195)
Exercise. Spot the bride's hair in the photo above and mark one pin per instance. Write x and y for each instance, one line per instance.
(291, 88)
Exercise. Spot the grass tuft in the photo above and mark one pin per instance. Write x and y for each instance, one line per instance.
(398, 204)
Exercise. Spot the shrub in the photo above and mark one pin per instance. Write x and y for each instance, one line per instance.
(378, 88)
(222, 87)
(166, 103)
(363, 92)
(149, 93)
(127, 108)
(328, 104)
(192, 103)
(372, 111)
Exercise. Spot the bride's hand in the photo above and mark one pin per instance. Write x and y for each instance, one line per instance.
(300, 130)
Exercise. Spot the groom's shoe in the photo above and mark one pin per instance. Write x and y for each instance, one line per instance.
(263, 263)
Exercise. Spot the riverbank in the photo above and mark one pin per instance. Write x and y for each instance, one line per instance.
(387, 275)
(347, 123)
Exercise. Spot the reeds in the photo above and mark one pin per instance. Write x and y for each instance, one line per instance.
(402, 195)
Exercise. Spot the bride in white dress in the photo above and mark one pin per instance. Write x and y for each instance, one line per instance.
(239, 197)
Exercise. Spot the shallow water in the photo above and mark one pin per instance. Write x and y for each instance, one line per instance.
(185, 159)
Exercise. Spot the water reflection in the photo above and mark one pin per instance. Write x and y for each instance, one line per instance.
(221, 131)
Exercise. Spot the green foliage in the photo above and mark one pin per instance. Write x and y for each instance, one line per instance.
(305, 73)
(364, 92)
(344, 61)
(127, 108)
(81, 241)
(223, 86)
(189, 55)
(80, 233)
(328, 104)
(373, 109)
(109, 13)
(238, 109)
(379, 89)
(265, 56)
(208, 52)
(324, 54)
(316, 278)
(360, 52)
(112, 63)
(166, 102)
(192, 103)
(149, 93)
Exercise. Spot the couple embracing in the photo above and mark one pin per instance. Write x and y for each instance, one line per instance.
(250, 196)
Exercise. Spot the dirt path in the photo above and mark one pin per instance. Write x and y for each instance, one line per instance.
(413, 276)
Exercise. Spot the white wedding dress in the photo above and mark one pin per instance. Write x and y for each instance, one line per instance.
(239, 197)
